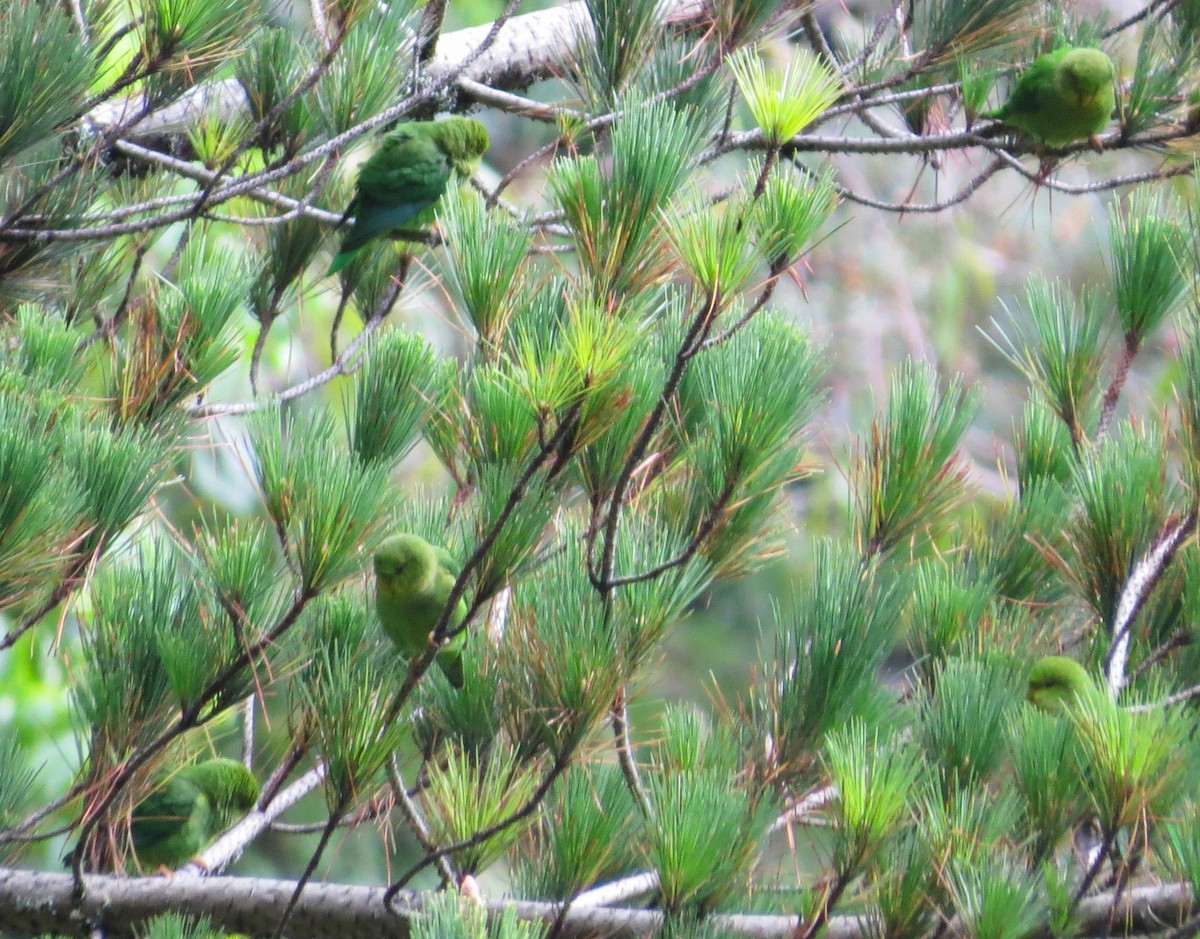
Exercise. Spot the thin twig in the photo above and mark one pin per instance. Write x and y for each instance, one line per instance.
(560, 765)
(416, 823)
(626, 758)
(342, 366)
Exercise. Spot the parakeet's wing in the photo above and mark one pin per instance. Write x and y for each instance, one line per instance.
(164, 814)
(205, 821)
(1027, 95)
(447, 562)
(408, 175)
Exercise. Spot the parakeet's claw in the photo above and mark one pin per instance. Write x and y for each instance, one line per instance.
(165, 871)
(1047, 160)
(1096, 143)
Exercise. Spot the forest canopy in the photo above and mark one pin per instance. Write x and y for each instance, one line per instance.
(699, 467)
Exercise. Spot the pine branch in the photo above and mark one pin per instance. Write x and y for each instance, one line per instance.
(41, 902)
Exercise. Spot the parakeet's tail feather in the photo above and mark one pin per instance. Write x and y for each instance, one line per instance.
(370, 223)
(374, 220)
(450, 662)
(341, 259)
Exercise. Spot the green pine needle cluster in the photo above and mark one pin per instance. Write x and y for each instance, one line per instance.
(907, 472)
(822, 669)
(964, 719)
(470, 793)
(705, 824)
(346, 695)
(485, 264)
(47, 76)
(364, 78)
(1149, 246)
(618, 240)
(446, 916)
(783, 105)
(323, 502)
(583, 837)
(1113, 526)
(873, 781)
(1059, 348)
(182, 41)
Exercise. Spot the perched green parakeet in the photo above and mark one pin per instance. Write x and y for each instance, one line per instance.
(413, 580)
(172, 824)
(400, 184)
(1056, 681)
(1064, 96)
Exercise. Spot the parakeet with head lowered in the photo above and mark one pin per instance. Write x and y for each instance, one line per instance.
(172, 825)
(400, 184)
(1057, 682)
(413, 580)
(1065, 95)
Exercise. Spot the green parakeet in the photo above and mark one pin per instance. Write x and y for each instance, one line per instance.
(413, 580)
(174, 823)
(400, 184)
(1064, 96)
(1056, 681)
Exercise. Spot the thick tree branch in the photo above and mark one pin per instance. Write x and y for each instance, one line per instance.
(37, 901)
(527, 49)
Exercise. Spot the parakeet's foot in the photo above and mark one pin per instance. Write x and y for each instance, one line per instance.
(1095, 143)
(1047, 160)
(449, 660)
(164, 871)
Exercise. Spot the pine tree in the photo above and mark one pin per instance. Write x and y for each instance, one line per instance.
(594, 386)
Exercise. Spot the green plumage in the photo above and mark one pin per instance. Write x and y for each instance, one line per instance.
(1056, 682)
(413, 580)
(173, 824)
(1065, 95)
(399, 185)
